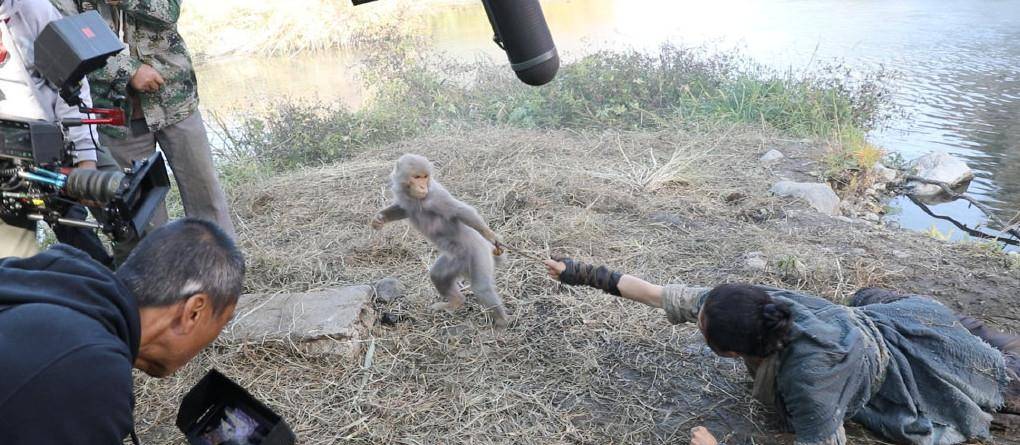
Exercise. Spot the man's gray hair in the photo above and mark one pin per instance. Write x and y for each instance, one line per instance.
(186, 257)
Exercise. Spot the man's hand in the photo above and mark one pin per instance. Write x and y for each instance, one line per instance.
(378, 220)
(554, 268)
(146, 79)
(701, 436)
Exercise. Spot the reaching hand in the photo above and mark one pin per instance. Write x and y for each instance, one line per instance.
(146, 79)
(555, 268)
(701, 436)
(378, 221)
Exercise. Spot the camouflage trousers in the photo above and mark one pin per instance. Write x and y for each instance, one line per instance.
(186, 147)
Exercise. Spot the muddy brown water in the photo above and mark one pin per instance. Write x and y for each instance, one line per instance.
(958, 64)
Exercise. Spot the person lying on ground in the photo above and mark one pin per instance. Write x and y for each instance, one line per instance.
(71, 330)
(904, 366)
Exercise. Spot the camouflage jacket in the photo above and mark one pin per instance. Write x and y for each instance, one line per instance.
(149, 28)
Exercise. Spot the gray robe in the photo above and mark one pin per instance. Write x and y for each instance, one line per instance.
(907, 370)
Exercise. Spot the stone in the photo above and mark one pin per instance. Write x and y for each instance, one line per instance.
(772, 156)
(883, 173)
(858, 252)
(330, 322)
(900, 254)
(755, 261)
(939, 166)
(733, 197)
(872, 217)
(388, 290)
(819, 196)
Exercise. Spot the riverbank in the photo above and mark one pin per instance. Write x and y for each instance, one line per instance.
(649, 164)
(575, 366)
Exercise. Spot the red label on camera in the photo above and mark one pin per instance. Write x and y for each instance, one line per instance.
(88, 32)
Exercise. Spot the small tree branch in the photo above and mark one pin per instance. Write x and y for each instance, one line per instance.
(973, 232)
(1006, 228)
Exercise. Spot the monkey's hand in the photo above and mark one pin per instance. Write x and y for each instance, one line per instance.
(491, 236)
(378, 221)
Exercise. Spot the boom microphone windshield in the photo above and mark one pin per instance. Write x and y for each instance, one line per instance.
(520, 30)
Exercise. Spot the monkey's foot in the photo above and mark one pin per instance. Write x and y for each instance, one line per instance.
(500, 323)
(445, 306)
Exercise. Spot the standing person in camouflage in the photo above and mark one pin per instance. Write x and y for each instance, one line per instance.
(154, 82)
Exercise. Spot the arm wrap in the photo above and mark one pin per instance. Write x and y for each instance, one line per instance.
(601, 277)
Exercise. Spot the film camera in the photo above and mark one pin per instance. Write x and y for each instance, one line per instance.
(36, 181)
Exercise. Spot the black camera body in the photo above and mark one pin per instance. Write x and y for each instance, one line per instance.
(37, 182)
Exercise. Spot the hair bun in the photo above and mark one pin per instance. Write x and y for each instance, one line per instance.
(776, 315)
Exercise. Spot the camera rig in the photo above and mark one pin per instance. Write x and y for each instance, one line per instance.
(37, 182)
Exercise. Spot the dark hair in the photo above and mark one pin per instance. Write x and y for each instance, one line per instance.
(181, 259)
(744, 319)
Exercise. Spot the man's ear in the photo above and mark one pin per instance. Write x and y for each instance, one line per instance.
(192, 313)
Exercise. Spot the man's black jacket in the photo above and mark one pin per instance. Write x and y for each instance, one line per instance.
(69, 333)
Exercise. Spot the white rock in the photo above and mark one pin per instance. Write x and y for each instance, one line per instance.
(883, 173)
(755, 261)
(772, 156)
(872, 217)
(334, 322)
(939, 166)
(819, 196)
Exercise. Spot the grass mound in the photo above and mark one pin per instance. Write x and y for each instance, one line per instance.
(673, 204)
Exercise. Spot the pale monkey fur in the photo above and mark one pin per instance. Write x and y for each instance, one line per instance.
(464, 239)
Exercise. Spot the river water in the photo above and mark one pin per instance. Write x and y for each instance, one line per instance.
(957, 66)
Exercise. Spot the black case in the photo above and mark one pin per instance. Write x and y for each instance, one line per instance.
(205, 403)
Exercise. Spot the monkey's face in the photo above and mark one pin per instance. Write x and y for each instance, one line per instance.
(417, 184)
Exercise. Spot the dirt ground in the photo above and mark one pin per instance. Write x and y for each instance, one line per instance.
(575, 366)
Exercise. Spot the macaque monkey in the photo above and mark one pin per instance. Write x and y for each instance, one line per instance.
(466, 243)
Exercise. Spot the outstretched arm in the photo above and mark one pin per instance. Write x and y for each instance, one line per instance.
(471, 218)
(392, 213)
(626, 286)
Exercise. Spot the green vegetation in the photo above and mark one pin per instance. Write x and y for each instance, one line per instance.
(278, 27)
(415, 92)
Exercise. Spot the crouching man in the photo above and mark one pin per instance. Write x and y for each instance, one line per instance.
(71, 330)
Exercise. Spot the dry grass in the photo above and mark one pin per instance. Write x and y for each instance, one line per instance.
(576, 366)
